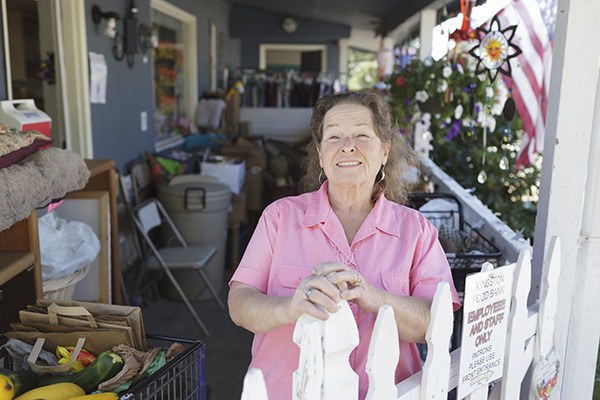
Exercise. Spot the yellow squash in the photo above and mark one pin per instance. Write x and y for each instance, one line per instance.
(57, 391)
(98, 396)
(7, 389)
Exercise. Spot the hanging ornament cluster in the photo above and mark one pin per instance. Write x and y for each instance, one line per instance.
(465, 33)
(495, 49)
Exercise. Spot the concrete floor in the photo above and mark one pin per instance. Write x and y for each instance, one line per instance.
(227, 349)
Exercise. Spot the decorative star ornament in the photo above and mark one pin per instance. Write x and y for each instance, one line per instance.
(495, 49)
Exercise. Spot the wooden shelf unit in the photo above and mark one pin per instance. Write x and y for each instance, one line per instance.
(102, 177)
(19, 244)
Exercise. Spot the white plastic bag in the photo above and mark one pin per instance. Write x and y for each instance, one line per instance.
(65, 246)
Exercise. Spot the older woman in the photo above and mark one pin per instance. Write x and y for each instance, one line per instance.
(351, 239)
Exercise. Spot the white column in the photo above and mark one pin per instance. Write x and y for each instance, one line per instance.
(569, 194)
(428, 22)
(343, 60)
(74, 77)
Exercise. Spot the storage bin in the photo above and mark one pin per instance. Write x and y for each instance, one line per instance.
(198, 206)
(63, 288)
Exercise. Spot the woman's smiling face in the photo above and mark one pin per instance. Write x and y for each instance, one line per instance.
(351, 152)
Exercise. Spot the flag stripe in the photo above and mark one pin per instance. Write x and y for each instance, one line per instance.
(530, 74)
(526, 19)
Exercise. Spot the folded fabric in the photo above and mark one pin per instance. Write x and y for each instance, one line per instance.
(47, 175)
(16, 145)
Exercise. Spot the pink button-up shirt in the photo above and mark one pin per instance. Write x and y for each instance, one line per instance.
(395, 249)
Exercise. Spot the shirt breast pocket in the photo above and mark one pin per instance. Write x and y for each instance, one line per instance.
(288, 279)
(397, 283)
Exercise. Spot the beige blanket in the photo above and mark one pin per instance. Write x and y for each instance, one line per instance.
(39, 179)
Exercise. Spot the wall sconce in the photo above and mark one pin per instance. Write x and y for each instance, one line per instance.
(124, 45)
(111, 20)
(148, 37)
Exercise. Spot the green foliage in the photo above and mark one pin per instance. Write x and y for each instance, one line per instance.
(362, 69)
(434, 93)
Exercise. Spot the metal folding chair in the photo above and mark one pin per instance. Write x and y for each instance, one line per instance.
(151, 214)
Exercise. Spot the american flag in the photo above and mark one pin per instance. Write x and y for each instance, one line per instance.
(530, 73)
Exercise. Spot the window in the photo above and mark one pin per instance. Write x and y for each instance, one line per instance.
(175, 67)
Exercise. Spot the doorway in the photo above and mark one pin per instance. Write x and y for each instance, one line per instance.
(32, 60)
(293, 57)
(34, 48)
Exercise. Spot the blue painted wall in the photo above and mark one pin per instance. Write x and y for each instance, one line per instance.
(205, 10)
(253, 26)
(116, 127)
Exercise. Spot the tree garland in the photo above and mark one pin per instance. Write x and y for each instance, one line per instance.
(473, 137)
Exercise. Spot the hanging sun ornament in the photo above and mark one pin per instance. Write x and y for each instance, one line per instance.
(495, 49)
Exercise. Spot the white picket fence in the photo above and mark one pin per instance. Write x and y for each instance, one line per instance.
(325, 373)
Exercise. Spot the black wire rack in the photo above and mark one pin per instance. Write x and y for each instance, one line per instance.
(465, 247)
(182, 378)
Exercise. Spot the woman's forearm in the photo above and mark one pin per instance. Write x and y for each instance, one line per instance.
(412, 315)
(255, 311)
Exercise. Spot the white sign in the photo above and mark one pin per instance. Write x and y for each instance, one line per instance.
(98, 77)
(485, 312)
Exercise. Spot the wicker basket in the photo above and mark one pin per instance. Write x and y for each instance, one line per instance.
(63, 288)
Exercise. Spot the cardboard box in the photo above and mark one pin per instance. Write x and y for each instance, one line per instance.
(255, 188)
(231, 174)
(238, 211)
(254, 154)
(232, 113)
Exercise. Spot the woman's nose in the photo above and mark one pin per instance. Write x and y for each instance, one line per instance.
(348, 145)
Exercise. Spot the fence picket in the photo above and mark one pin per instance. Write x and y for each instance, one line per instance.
(307, 379)
(383, 356)
(324, 370)
(436, 370)
(340, 337)
(518, 356)
(254, 386)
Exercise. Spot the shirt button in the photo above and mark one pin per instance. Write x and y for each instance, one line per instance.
(404, 288)
(298, 281)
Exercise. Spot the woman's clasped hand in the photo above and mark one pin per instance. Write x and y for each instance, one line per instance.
(329, 283)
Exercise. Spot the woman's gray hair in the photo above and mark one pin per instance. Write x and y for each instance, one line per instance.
(401, 156)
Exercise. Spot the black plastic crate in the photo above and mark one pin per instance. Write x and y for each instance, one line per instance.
(182, 378)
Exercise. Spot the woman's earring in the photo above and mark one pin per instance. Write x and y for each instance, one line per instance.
(382, 174)
(321, 176)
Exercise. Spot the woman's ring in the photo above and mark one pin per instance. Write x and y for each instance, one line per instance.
(358, 281)
(308, 293)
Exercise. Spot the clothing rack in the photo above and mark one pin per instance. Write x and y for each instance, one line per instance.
(263, 88)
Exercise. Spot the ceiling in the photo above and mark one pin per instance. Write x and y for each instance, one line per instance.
(365, 14)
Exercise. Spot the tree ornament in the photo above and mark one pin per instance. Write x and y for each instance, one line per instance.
(509, 109)
(495, 50)
(503, 163)
(472, 104)
(449, 95)
(482, 177)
